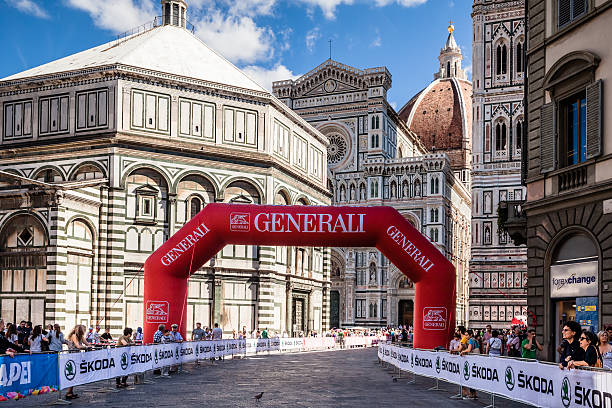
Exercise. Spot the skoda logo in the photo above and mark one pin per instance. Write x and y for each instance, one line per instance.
(70, 370)
(466, 371)
(124, 361)
(156, 360)
(509, 378)
(438, 368)
(566, 392)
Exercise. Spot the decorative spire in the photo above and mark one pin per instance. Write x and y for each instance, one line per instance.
(450, 57)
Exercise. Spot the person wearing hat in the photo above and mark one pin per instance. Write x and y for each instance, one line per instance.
(176, 336)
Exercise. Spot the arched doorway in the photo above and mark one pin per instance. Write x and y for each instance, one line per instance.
(334, 308)
(574, 282)
(405, 312)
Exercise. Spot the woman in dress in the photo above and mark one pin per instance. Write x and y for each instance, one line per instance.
(605, 349)
(76, 342)
(36, 339)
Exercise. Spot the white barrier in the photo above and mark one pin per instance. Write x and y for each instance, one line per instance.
(532, 382)
(85, 367)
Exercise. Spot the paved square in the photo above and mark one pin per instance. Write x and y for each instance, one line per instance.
(348, 378)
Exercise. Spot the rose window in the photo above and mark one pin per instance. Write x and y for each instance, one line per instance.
(336, 151)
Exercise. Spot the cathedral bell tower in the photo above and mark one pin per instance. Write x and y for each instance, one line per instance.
(174, 13)
(450, 58)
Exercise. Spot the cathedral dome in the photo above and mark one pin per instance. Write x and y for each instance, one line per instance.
(441, 114)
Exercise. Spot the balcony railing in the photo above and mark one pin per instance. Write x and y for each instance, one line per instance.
(572, 178)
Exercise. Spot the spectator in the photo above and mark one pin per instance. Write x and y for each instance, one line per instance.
(35, 340)
(106, 336)
(605, 349)
(217, 333)
(485, 338)
(514, 343)
(93, 337)
(76, 341)
(23, 334)
(157, 336)
(167, 337)
(529, 345)
(138, 336)
(198, 334)
(6, 346)
(11, 333)
(454, 343)
(264, 333)
(56, 339)
(494, 344)
(176, 336)
(588, 342)
(122, 341)
(570, 347)
(472, 348)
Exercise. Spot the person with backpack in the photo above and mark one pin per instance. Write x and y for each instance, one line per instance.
(514, 343)
(494, 344)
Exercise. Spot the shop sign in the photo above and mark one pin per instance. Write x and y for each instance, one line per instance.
(574, 280)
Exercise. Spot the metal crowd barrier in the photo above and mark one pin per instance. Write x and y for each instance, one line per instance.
(533, 382)
(137, 360)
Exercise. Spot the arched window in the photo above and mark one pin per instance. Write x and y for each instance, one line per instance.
(375, 310)
(501, 136)
(437, 185)
(432, 187)
(498, 58)
(504, 65)
(373, 123)
(519, 57)
(371, 310)
(377, 122)
(448, 73)
(519, 134)
(195, 206)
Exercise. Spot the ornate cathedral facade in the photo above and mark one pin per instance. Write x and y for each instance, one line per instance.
(375, 158)
(106, 153)
(498, 269)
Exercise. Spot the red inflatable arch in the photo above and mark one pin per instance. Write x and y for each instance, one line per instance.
(168, 268)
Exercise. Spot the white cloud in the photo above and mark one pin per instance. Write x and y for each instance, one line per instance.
(311, 38)
(468, 71)
(393, 105)
(265, 76)
(238, 39)
(250, 7)
(28, 7)
(328, 7)
(377, 41)
(405, 3)
(118, 15)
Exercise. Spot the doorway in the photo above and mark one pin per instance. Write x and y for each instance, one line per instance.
(405, 312)
(298, 316)
(334, 309)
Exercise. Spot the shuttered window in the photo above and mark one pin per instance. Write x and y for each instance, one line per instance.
(570, 10)
(593, 119)
(547, 138)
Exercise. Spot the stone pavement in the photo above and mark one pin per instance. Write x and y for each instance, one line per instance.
(348, 378)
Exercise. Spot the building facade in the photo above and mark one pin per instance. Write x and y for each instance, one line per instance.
(107, 153)
(375, 159)
(498, 268)
(567, 216)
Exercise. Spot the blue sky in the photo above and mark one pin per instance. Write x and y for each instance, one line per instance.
(270, 39)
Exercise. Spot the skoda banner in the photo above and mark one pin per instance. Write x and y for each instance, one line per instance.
(531, 382)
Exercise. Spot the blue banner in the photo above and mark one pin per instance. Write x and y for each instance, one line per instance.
(27, 374)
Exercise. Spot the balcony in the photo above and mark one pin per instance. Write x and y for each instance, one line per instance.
(573, 178)
(512, 219)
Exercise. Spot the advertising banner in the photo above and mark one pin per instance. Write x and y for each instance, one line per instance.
(532, 382)
(27, 374)
(574, 280)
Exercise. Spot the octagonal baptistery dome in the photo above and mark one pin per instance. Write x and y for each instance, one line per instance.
(441, 114)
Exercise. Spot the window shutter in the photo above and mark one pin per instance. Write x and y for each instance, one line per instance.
(565, 16)
(579, 8)
(548, 140)
(593, 119)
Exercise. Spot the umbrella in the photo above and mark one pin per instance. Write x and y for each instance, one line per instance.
(516, 321)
